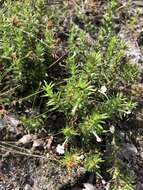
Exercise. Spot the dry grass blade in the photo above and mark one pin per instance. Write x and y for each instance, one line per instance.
(5, 148)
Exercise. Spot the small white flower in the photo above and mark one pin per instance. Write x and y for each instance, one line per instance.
(103, 89)
(88, 186)
(112, 129)
(60, 149)
(128, 112)
(81, 157)
(97, 137)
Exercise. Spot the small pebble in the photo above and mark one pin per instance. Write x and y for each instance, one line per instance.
(27, 187)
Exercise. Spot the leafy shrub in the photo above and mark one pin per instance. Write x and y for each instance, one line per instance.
(94, 95)
(26, 43)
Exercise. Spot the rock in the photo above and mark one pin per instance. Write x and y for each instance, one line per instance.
(19, 132)
(141, 155)
(140, 39)
(1, 123)
(121, 136)
(139, 186)
(35, 186)
(37, 143)
(26, 139)
(2, 130)
(11, 120)
(27, 187)
(129, 151)
(10, 128)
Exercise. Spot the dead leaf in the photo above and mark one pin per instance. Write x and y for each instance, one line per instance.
(49, 142)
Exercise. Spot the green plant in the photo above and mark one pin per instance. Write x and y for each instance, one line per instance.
(95, 90)
(132, 23)
(26, 44)
(118, 106)
(69, 132)
(91, 97)
(92, 162)
(93, 125)
(70, 160)
(122, 175)
(32, 124)
(122, 182)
